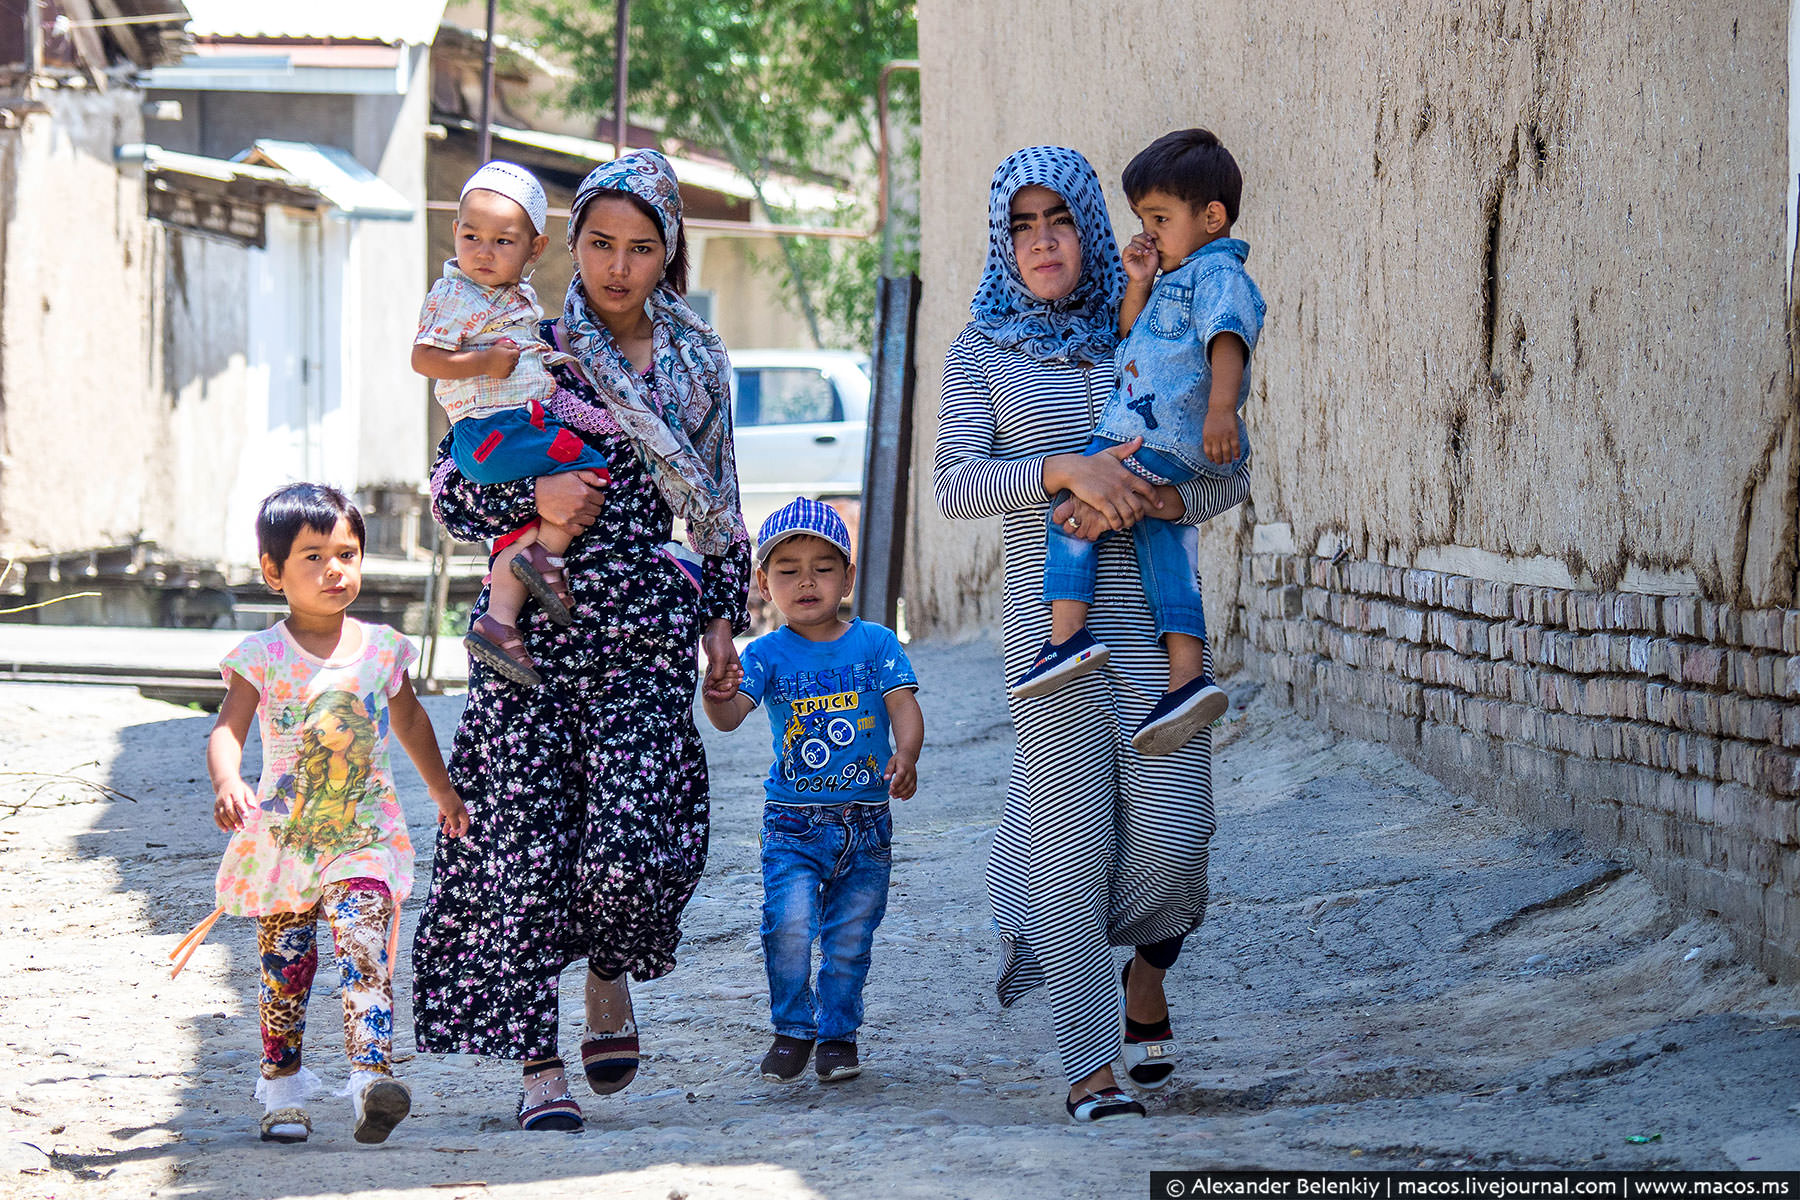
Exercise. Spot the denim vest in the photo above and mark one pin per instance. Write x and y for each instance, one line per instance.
(1162, 379)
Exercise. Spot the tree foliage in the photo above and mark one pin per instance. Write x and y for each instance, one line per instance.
(776, 85)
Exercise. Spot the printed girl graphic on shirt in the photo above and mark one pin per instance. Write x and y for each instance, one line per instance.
(330, 797)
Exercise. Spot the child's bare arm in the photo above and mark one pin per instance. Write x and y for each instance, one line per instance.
(233, 799)
(412, 725)
(1219, 436)
(908, 723)
(495, 362)
(727, 715)
(1139, 259)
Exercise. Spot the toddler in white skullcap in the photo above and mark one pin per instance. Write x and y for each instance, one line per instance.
(516, 184)
(478, 337)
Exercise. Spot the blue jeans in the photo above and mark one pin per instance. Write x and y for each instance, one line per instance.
(825, 878)
(1168, 555)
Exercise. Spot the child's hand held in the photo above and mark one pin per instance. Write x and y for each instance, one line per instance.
(723, 690)
(723, 670)
(453, 817)
(723, 685)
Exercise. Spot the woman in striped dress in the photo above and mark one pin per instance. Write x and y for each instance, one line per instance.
(1098, 845)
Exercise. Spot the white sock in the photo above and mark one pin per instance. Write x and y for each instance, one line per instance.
(288, 1091)
(359, 1083)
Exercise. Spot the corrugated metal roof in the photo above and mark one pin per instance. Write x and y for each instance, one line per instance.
(335, 175)
(327, 172)
(155, 158)
(412, 21)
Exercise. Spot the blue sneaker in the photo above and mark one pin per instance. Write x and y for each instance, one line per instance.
(1058, 666)
(1179, 715)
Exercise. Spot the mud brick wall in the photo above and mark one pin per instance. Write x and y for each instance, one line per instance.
(1665, 726)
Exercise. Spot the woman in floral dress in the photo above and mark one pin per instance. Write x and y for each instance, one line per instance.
(587, 796)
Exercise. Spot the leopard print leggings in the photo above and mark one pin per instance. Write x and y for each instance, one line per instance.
(359, 911)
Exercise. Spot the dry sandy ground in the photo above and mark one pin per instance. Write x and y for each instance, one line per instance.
(1389, 977)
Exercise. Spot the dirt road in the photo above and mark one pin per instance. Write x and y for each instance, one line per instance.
(1389, 977)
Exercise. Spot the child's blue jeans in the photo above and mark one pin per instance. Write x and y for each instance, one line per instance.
(1168, 554)
(825, 879)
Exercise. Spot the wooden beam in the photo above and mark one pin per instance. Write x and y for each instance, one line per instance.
(87, 42)
(123, 33)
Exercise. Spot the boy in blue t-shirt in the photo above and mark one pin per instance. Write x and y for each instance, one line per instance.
(834, 690)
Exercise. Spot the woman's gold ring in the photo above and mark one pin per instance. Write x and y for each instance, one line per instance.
(1073, 524)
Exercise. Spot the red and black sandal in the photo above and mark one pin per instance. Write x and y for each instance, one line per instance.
(500, 647)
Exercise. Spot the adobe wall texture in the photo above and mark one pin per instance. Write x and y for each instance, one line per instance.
(1529, 311)
(83, 440)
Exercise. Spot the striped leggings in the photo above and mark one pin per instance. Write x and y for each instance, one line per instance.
(359, 911)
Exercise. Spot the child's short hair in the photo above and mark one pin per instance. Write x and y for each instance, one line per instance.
(1191, 165)
(288, 510)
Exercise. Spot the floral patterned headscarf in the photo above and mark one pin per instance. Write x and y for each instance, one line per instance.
(1083, 324)
(679, 416)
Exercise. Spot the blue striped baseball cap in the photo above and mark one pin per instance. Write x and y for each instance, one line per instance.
(802, 516)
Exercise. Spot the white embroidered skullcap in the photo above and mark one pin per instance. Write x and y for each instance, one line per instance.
(516, 184)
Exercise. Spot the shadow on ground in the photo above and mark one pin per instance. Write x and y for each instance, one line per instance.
(1389, 977)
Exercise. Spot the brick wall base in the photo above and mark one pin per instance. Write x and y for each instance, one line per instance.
(1663, 726)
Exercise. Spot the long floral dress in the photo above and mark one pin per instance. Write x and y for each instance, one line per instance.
(587, 796)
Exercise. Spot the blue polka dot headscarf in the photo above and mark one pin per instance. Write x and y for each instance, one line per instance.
(1083, 324)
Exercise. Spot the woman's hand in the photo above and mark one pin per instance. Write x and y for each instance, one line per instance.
(723, 670)
(572, 500)
(1089, 524)
(1118, 497)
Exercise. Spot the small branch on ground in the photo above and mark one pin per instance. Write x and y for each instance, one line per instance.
(49, 780)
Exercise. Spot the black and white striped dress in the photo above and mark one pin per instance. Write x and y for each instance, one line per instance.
(1098, 846)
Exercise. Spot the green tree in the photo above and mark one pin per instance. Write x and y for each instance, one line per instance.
(784, 85)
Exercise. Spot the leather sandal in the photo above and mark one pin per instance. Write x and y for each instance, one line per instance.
(542, 574)
(1150, 1049)
(609, 1057)
(545, 1102)
(500, 647)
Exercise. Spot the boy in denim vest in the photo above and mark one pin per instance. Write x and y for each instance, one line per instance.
(1182, 376)
(834, 690)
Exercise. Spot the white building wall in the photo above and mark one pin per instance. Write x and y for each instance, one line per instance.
(394, 445)
(84, 454)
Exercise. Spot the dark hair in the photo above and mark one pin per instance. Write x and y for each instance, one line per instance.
(288, 510)
(1190, 165)
(676, 273)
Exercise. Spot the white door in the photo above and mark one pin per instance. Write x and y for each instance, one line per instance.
(285, 359)
(296, 344)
